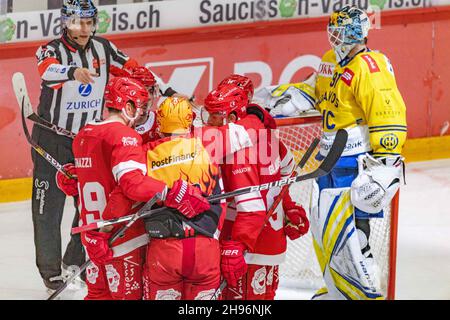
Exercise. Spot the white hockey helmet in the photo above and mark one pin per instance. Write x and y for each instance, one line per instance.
(347, 28)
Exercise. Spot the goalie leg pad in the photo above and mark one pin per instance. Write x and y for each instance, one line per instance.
(338, 248)
(363, 229)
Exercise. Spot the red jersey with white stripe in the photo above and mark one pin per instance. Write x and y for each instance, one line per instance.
(246, 216)
(108, 154)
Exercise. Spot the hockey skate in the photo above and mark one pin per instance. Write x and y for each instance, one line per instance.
(53, 283)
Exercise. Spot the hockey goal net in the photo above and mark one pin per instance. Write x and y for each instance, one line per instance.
(301, 268)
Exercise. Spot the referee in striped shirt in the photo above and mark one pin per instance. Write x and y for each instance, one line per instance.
(74, 70)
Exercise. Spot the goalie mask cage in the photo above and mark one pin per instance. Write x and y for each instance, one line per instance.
(301, 268)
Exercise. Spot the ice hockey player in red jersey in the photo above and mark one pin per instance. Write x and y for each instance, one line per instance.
(109, 154)
(146, 125)
(255, 276)
(183, 255)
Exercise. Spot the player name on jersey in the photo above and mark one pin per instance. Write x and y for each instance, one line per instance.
(83, 162)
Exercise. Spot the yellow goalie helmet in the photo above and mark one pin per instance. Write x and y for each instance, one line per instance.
(174, 116)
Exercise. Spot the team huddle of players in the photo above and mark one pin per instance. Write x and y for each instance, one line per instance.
(140, 150)
(185, 251)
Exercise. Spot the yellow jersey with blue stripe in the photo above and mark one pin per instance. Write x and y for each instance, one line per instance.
(361, 96)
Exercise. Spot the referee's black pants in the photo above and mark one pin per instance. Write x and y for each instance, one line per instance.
(48, 206)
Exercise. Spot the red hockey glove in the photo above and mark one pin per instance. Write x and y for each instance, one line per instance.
(67, 185)
(187, 199)
(97, 247)
(297, 223)
(233, 265)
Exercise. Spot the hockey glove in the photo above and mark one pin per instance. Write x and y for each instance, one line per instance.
(187, 199)
(67, 185)
(377, 182)
(233, 265)
(97, 247)
(297, 223)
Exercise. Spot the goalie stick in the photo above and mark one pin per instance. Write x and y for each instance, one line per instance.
(325, 167)
(20, 89)
(276, 202)
(23, 99)
(114, 237)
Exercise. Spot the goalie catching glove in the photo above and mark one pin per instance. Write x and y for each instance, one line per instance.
(297, 223)
(377, 182)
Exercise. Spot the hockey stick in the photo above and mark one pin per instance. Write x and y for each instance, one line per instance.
(276, 202)
(52, 127)
(20, 89)
(22, 98)
(299, 167)
(325, 167)
(327, 164)
(113, 238)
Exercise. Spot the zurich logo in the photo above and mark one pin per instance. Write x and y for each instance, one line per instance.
(85, 90)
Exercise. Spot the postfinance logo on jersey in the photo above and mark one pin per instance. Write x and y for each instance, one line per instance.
(173, 160)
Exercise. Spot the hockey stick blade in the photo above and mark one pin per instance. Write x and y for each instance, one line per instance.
(332, 157)
(308, 153)
(21, 92)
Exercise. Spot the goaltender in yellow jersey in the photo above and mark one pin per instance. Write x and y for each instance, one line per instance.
(354, 89)
(361, 95)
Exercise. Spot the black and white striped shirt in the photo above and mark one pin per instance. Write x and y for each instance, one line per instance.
(64, 101)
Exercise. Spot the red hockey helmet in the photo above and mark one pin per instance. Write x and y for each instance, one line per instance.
(121, 90)
(242, 82)
(227, 99)
(143, 75)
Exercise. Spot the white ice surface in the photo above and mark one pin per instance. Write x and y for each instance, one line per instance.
(423, 261)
